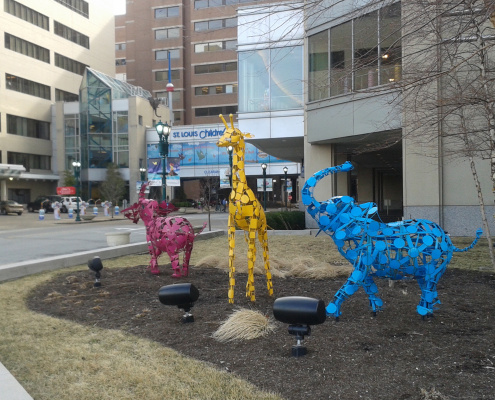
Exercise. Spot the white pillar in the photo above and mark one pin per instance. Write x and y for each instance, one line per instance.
(3, 189)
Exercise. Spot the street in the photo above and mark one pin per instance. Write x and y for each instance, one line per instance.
(25, 237)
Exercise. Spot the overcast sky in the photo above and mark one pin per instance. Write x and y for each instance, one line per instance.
(118, 7)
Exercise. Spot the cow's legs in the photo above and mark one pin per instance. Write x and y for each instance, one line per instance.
(155, 253)
(187, 256)
(371, 290)
(174, 258)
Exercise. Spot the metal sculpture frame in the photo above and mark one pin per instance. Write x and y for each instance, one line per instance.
(245, 212)
(416, 247)
(171, 235)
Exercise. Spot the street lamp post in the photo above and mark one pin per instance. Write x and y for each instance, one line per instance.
(142, 170)
(263, 167)
(286, 192)
(163, 130)
(230, 149)
(77, 174)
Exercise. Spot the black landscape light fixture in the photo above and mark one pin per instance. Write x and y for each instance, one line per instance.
(263, 167)
(300, 313)
(286, 192)
(77, 174)
(96, 266)
(163, 130)
(182, 295)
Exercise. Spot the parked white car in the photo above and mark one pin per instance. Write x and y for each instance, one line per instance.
(70, 202)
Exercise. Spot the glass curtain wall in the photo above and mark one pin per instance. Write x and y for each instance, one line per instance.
(96, 122)
(271, 79)
(364, 53)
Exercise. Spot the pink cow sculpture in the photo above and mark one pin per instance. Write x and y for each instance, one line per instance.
(164, 234)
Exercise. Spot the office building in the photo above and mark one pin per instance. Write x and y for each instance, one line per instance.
(45, 49)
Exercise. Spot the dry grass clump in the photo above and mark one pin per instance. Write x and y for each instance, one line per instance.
(244, 324)
(299, 256)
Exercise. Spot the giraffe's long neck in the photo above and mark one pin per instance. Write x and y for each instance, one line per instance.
(238, 174)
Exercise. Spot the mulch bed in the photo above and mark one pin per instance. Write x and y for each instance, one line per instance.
(395, 355)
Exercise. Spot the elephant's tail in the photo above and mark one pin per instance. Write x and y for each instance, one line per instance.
(479, 232)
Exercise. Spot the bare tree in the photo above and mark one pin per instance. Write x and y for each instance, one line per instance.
(208, 188)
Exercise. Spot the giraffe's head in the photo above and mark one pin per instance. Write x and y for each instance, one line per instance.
(232, 136)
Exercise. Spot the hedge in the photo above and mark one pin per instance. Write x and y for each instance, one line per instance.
(285, 220)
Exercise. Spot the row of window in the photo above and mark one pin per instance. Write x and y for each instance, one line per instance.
(162, 76)
(29, 161)
(215, 24)
(358, 54)
(69, 64)
(28, 127)
(27, 48)
(169, 33)
(32, 88)
(62, 95)
(163, 54)
(215, 89)
(71, 34)
(26, 86)
(215, 46)
(198, 4)
(166, 12)
(214, 111)
(79, 6)
(214, 68)
(27, 14)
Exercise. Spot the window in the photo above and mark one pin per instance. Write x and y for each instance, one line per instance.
(120, 46)
(79, 6)
(71, 34)
(27, 48)
(27, 14)
(215, 24)
(61, 95)
(163, 54)
(214, 68)
(215, 46)
(29, 161)
(215, 89)
(28, 127)
(199, 4)
(214, 111)
(356, 55)
(69, 64)
(26, 86)
(162, 76)
(170, 33)
(167, 12)
(120, 61)
(72, 139)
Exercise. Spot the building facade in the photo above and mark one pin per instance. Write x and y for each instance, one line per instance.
(375, 97)
(45, 48)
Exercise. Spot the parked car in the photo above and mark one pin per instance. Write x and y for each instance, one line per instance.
(43, 203)
(69, 202)
(11, 207)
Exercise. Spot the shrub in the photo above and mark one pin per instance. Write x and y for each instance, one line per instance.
(286, 220)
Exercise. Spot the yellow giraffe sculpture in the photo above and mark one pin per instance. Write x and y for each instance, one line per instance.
(245, 212)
